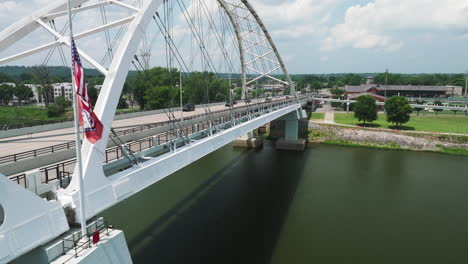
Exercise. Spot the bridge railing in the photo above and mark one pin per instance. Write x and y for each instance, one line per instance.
(62, 171)
(70, 145)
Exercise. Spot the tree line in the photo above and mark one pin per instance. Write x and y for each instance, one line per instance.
(316, 82)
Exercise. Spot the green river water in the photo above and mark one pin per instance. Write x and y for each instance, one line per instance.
(327, 205)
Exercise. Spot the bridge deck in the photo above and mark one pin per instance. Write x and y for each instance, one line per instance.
(31, 142)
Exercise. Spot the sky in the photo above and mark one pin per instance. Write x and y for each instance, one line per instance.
(333, 36)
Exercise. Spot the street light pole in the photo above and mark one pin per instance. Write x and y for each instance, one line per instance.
(181, 106)
(386, 80)
(230, 90)
(466, 83)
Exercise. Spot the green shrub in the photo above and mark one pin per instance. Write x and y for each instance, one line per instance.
(55, 110)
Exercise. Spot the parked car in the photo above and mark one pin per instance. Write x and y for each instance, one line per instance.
(229, 104)
(234, 102)
(268, 99)
(188, 108)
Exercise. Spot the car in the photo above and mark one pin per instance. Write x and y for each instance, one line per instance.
(247, 100)
(268, 99)
(229, 104)
(234, 102)
(188, 108)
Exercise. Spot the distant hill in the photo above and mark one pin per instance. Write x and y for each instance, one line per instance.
(55, 71)
(22, 73)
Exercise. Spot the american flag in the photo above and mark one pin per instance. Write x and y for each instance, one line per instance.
(92, 125)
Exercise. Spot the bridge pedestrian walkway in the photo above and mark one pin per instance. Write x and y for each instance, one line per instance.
(35, 141)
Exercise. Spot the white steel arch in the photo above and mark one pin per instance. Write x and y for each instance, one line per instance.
(255, 43)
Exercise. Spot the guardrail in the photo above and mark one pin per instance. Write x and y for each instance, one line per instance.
(33, 124)
(62, 171)
(69, 145)
(84, 242)
(20, 179)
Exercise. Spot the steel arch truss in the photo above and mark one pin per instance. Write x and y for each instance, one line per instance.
(260, 57)
(258, 54)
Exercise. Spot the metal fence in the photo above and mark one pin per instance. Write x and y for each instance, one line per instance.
(69, 145)
(62, 171)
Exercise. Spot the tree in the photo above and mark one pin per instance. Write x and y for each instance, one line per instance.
(149, 79)
(365, 109)
(337, 94)
(6, 93)
(316, 85)
(337, 91)
(42, 78)
(55, 110)
(437, 110)
(398, 110)
(23, 93)
(238, 93)
(419, 108)
(160, 97)
(352, 79)
(122, 103)
(62, 102)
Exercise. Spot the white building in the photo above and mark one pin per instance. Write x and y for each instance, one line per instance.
(37, 97)
(63, 89)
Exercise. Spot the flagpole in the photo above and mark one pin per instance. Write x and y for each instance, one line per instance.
(77, 135)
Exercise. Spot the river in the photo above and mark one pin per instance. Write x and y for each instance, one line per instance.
(327, 205)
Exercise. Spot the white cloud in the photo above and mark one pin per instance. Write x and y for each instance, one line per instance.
(297, 18)
(373, 25)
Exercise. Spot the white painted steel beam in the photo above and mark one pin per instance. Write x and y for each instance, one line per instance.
(22, 28)
(76, 10)
(132, 8)
(30, 52)
(123, 185)
(29, 221)
(93, 154)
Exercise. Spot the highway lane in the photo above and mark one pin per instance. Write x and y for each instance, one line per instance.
(30, 142)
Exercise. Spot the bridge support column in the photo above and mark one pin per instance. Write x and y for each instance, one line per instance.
(250, 140)
(291, 131)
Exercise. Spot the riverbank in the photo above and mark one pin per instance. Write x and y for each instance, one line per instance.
(393, 140)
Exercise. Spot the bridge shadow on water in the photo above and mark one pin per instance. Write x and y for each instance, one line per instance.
(236, 216)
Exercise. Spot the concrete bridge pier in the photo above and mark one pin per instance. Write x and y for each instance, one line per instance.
(250, 140)
(291, 131)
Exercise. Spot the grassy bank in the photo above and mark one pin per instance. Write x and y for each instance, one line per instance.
(10, 115)
(429, 123)
(317, 116)
(328, 139)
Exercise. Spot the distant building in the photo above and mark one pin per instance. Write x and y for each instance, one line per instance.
(403, 90)
(59, 89)
(63, 89)
(37, 97)
(274, 87)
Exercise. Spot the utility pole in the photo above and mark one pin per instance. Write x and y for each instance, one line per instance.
(386, 80)
(466, 83)
(181, 106)
(230, 90)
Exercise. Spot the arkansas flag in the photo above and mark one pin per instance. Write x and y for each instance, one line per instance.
(91, 124)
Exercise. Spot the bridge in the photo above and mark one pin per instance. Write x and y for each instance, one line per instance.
(31, 225)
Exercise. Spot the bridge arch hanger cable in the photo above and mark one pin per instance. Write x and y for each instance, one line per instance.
(123, 56)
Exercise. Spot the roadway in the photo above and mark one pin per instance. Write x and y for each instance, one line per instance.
(14, 145)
